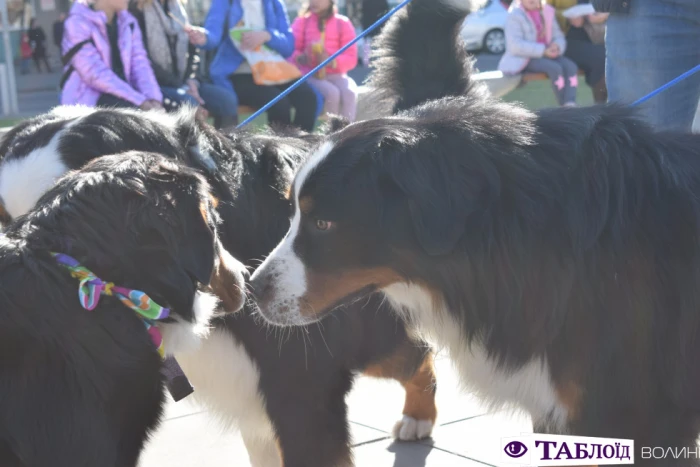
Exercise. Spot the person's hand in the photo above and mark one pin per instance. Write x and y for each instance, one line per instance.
(597, 18)
(577, 22)
(196, 35)
(552, 51)
(202, 114)
(151, 104)
(194, 91)
(302, 59)
(251, 40)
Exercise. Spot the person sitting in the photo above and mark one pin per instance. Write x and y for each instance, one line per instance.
(535, 43)
(107, 64)
(176, 62)
(588, 55)
(269, 26)
(320, 27)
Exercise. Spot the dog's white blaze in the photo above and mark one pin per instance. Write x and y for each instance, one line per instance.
(529, 387)
(283, 264)
(288, 279)
(183, 336)
(309, 166)
(24, 180)
(226, 381)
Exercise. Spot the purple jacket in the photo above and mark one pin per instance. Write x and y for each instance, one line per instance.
(92, 74)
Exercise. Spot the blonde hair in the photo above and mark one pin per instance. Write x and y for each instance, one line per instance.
(330, 11)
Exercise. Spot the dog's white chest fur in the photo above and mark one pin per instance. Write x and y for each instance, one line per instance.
(225, 380)
(529, 388)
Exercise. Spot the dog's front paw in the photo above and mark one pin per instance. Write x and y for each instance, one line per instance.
(410, 429)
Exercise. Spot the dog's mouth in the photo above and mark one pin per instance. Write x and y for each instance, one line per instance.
(348, 299)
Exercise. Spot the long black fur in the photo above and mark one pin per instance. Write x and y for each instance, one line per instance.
(567, 235)
(79, 387)
(250, 174)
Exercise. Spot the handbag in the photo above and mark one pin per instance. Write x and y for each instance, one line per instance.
(267, 66)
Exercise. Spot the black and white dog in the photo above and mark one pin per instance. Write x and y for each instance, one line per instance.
(81, 387)
(555, 254)
(286, 393)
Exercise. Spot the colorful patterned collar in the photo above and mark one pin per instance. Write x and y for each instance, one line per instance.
(91, 288)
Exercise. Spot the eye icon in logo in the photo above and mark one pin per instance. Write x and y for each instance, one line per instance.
(515, 449)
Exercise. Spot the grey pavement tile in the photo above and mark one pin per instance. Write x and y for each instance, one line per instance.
(398, 454)
(194, 441)
(362, 434)
(179, 409)
(191, 437)
(378, 403)
(479, 438)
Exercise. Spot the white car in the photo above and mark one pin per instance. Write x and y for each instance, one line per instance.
(483, 29)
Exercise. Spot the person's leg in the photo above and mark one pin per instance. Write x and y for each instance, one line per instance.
(366, 51)
(254, 95)
(45, 59)
(305, 102)
(555, 73)
(330, 93)
(590, 58)
(348, 95)
(35, 57)
(221, 103)
(570, 70)
(110, 100)
(648, 47)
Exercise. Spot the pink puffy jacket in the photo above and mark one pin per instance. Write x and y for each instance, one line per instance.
(339, 31)
(92, 74)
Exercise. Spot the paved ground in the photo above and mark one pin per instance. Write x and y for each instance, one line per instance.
(466, 435)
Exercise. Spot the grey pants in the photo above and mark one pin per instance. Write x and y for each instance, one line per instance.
(562, 72)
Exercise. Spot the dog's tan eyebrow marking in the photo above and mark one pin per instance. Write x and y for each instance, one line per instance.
(306, 204)
(214, 200)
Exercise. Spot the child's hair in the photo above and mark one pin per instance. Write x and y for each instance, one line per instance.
(323, 16)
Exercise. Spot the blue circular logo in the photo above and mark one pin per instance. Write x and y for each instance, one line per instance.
(515, 449)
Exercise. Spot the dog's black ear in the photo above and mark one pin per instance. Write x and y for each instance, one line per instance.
(188, 260)
(441, 191)
(197, 252)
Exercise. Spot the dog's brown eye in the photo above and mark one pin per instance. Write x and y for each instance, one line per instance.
(323, 225)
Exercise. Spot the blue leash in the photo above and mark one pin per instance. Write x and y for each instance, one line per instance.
(325, 62)
(671, 83)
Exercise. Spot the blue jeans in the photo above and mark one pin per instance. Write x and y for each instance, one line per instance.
(220, 102)
(657, 41)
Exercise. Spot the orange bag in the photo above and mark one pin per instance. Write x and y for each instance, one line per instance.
(268, 66)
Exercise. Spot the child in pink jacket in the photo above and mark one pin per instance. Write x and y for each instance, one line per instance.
(319, 31)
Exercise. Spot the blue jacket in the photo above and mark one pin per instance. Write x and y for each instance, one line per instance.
(225, 14)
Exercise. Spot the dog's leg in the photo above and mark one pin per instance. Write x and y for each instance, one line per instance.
(411, 364)
(262, 452)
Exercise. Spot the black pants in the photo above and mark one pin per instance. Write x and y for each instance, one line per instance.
(303, 99)
(110, 100)
(590, 58)
(39, 56)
